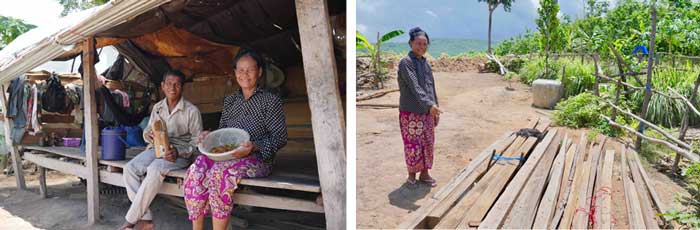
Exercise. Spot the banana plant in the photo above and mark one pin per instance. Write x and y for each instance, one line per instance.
(362, 43)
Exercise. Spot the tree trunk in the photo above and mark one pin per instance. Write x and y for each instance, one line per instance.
(489, 42)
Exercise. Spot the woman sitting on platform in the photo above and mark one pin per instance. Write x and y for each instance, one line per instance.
(209, 185)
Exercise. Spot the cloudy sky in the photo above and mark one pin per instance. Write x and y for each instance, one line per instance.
(35, 12)
(452, 18)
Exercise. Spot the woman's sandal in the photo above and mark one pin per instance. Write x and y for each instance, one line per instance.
(432, 182)
(411, 181)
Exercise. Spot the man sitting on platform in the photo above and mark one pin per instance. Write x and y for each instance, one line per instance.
(144, 175)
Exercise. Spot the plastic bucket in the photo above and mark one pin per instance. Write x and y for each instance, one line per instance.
(113, 144)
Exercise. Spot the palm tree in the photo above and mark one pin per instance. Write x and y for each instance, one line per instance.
(493, 4)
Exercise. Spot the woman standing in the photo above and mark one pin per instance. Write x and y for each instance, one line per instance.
(209, 185)
(419, 112)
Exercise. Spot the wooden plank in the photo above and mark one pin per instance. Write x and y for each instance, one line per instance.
(577, 188)
(484, 195)
(523, 212)
(584, 199)
(565, 197)
(55, 164)
(502, 207)
(652, 191)
(240, 198)
(644, 200)
(605, 207)
(327, 115)
(598, 190)
(634, 212)
(91, 130)
(494, 176)
(446, 203)
(42, 181)
(547, 206)
(63, 151)
(14, 153)
(466, 176)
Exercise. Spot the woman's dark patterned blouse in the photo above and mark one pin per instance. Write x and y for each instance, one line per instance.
(262, 116)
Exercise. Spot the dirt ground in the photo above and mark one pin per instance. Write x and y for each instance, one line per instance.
(65, 208)
(478, 110)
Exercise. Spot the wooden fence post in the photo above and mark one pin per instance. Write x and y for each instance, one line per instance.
(650, 67)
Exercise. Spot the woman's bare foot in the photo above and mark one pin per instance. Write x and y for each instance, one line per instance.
(425, 177)
(411, 180)
(145, 225)
(127, 226)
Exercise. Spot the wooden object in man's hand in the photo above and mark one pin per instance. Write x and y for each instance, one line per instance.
(161, 143)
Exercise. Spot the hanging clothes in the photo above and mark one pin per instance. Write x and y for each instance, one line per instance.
(113, 113)
(17, 108)
(36, 111)
(124, 96)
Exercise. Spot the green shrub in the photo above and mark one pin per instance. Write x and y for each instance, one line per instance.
(662, 110)
(584, 111)
(691, 216)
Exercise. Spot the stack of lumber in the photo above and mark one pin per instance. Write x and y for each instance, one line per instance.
(554, 181)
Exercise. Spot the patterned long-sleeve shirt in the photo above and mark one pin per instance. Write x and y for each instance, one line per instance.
(262, 116)
(416, 85)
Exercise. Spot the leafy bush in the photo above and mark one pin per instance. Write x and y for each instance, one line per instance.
(585, 110)
(534, 69)
(691, 217)
(492, 67)
(665, 111)
(577, 78)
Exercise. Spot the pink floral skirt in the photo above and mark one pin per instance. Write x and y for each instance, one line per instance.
(418, 133)
(210, 184)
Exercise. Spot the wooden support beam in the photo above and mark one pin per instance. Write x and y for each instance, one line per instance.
(546, 208)
(42, 181)
(327, 115)
(634, 212)
(91, 130)
(14, 152)
(604, 209)
(524, 209)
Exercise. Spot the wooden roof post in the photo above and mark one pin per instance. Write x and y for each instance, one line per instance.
(327, 117)
(90, 129)
(14, 153)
